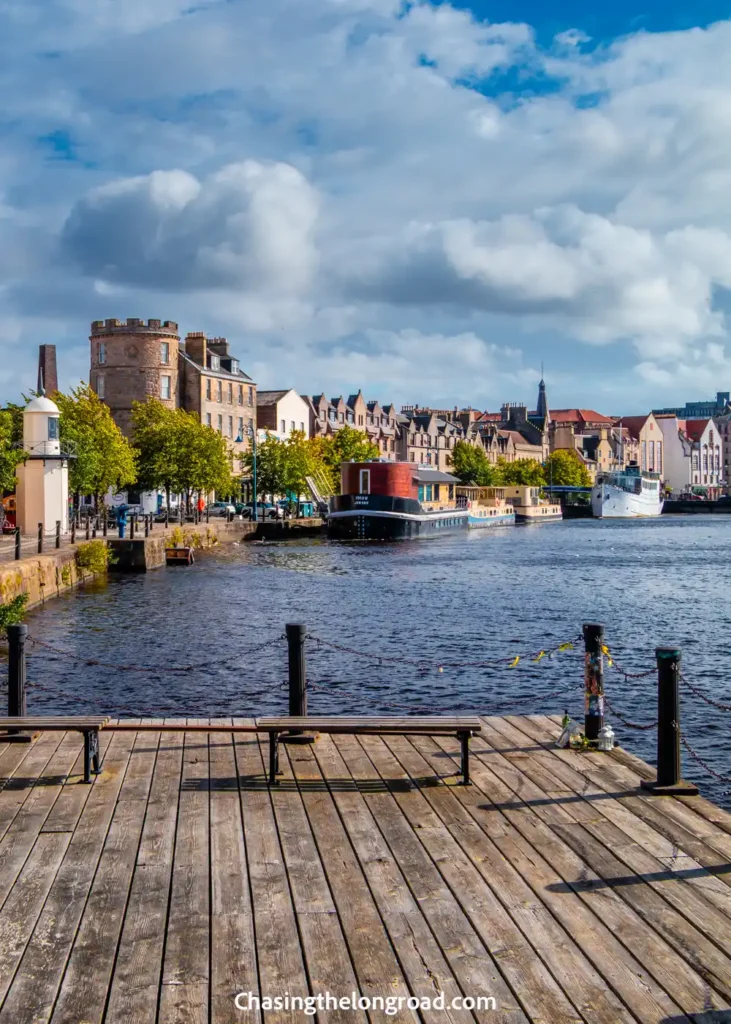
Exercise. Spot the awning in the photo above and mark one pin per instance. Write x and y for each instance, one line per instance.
(428, 475)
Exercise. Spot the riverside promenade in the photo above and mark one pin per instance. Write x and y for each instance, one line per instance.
(178, 880)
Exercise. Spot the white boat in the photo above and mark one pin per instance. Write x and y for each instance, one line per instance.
(486, 506)
(626, 494)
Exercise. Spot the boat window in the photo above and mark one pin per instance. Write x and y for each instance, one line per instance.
(365, 481)
(421, 492)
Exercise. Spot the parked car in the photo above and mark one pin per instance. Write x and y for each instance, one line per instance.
(221, 508)
(264, 510)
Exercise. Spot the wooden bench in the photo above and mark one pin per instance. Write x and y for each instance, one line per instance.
(88, 725)
(463, 728)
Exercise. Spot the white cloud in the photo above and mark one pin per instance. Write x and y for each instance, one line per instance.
(307, 174)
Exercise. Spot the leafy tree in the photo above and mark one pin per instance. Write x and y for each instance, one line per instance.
(104, 456)
(270, 471)
(156, 438)
(347, 445)
(11, 434)
(301, 458)
(471, 464)
(523, 471)
(565, 469)
(205, 460)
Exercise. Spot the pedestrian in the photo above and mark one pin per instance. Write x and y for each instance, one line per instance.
(122, 520)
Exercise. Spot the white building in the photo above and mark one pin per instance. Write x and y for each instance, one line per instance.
(692, 454)
(282, 412)
(42, 495)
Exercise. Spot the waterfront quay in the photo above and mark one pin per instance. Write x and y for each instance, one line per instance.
(179, 880)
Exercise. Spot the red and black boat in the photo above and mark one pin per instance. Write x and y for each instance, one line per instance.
(383, 500)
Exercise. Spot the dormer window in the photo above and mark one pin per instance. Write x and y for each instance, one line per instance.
(53, 428)
(215, 363)
(234, 366)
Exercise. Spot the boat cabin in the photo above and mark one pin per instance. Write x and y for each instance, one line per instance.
(431, 487)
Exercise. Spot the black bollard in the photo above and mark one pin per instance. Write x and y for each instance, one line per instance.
(593, 680)
(669, 766)
(93, 528)
(167, 519)
(132, 527)
(40, 538)
(296, 634)
(17, 543)
(208, 514)
(151, 517)
(58, 533)
(17, 635)
(88, 527)
(73, 531)
(105, 523)
(147, 526)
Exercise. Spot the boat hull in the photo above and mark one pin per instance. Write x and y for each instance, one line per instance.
(483, 522)
(375, 518)
(610, 502)
(537, 517)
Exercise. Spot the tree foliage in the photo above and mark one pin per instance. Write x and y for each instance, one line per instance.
(11, 435)
(564, 468)
(471, 464)
(346, 445)
(177, 453)
(104, 456)
(522, 471)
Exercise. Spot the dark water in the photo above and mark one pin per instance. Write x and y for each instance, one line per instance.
(489, 595)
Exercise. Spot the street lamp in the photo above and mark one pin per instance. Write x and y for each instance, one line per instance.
(252, 436)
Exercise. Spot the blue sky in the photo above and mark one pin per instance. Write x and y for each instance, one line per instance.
(425, 202)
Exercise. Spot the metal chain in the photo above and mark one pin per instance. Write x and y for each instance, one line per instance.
(425, 663)
(697, 757)
(699, 693)
(625, 721)
(175, 669)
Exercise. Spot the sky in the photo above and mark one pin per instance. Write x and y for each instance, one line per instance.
(423, 200)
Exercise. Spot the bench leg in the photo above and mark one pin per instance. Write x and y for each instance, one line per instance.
(273, 758)
(464, 739)
(92, 763)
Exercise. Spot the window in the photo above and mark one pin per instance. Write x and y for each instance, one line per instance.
(230, 426)
(165, 352)
(283, 429)
(219, 391)
(100, 389)
(302, 427)
(413, 457)
(241, 394)
(102, 352)
(53, 428)
(360, 420)
(291, 425)
(220, 424)
(230, 394)
(341, 418)
(251, 396)
(208, 388)
(365, 481)
(652, 457)
(165, 387)
(644, 454)
(234, 366)
(215, 363)
(241, 428)
(208, 419)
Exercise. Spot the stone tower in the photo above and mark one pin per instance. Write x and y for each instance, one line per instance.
(134, 361)
(47, 371)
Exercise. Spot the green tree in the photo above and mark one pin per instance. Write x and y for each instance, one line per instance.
(104, 456)
(523, 471)
(564, 468)
(157, 440)
(11, 436)
(471, 464)
(270, 465)
(347, 445)
(205, 459)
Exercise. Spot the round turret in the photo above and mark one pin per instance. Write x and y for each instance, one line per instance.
(133, 361)
(41, 427)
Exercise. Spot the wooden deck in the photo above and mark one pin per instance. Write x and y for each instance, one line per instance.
(178, 879)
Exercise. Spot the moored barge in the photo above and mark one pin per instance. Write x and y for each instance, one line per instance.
(383, 500)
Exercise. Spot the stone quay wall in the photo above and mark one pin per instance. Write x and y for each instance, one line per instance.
(41, 577)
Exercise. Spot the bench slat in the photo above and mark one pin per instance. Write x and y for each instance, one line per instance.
(343, 723)
(54, 724)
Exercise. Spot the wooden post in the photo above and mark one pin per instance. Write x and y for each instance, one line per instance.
(669, 766)
(296, 635)
(17, 635)
(40, 538)
(593, 680)
(17, 544)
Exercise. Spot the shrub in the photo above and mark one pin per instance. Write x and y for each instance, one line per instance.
(12, 613)
(93, 556)
(176, 538)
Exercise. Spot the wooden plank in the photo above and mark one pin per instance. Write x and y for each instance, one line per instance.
(91, 962)
(422, 961)
(33, 992)
(525, 974)
(327, 956)
(134, 990)
(67, 810)
(27, 823)
(338, 723)
(702, 955)
(19, 773)
(22, 908)
(279, 955)
(55, 724)
(186, 967)
(670, 970)
(544, 938)
(233, 942)
(502, 816)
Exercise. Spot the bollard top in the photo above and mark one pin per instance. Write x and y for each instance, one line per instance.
(19, 630)
(667, 653)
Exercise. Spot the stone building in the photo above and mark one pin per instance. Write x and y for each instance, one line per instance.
(281, 413)
(379, 423)
(426, 438)
(214, 387)
(134, 361)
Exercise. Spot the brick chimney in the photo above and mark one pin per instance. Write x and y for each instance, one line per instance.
(47, 372)
(195, 347)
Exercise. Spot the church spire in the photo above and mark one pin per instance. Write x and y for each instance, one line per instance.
(542, 407)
